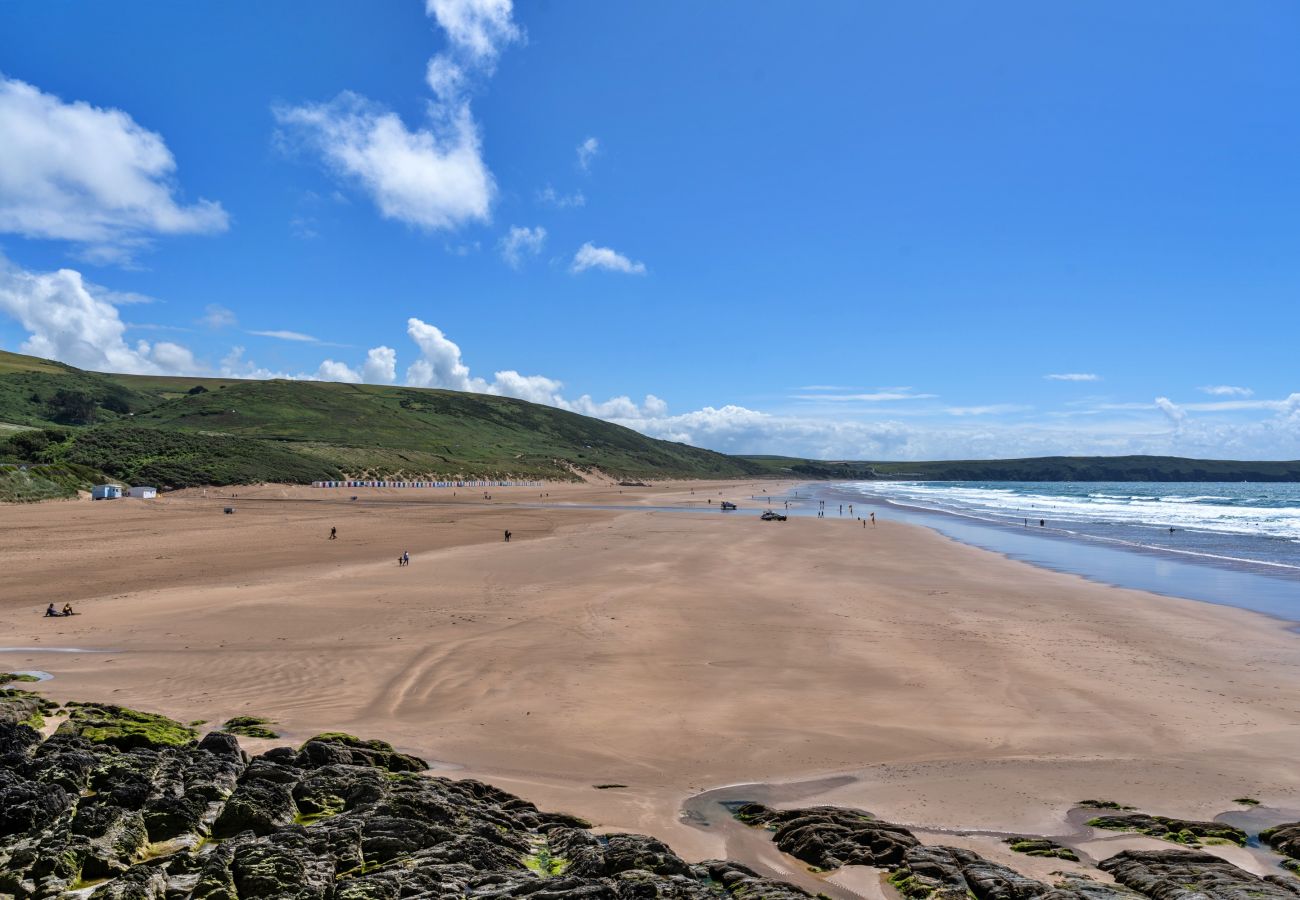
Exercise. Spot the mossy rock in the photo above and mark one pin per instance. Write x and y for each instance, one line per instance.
(1101, 804)
(1041, 847)
(126, 729)
(24, 707)
(1246, 801)
(250, 726)
(10, 677)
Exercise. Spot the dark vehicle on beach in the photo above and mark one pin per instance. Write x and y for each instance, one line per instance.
(771, 516)
(727, 504)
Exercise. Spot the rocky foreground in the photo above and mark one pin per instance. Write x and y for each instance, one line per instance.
(828, 837)
(124, 805)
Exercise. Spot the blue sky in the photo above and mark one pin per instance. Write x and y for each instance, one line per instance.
(840, 229)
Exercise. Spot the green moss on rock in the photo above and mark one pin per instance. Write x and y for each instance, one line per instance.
(126, 729)
(250, 726)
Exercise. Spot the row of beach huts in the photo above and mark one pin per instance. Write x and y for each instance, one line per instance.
(117, 492)
(424, 484)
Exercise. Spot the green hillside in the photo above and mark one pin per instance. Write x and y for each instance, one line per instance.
(178, 432)
(1042, 468)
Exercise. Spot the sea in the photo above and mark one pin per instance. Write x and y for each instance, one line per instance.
(1236, 543)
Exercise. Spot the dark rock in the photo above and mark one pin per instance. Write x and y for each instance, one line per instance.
(829, 837)
(1285, 839)
(1181, 831)
(1193, 875)
(1036, 846)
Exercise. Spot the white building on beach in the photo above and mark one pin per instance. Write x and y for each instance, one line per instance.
(106, 492)
(142, 492)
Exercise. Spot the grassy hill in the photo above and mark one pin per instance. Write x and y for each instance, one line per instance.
(178, 432)
(1042, 468)
(62, 428)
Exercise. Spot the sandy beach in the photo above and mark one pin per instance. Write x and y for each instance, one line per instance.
(932, 683)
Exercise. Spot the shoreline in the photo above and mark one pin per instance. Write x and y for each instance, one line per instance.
(675, 654)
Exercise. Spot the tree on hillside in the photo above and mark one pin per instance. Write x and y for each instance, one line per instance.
(72, 407)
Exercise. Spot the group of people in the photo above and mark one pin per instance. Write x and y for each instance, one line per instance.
(51, 612)
(404, 559)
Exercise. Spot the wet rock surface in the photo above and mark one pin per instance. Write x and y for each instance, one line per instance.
(1181, 831)
(116, 807)
(1285, 839)
(829, 837)
(1193, 874)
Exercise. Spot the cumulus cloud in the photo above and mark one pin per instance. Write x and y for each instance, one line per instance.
(521, 241)
(441, 365)
(82, 173)
(1073, 376)
(590, 256)
(1227, 390)
(380, 366)
(431, 178)
(587, 151)
(67, 322)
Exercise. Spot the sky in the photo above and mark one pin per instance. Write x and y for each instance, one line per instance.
(856, 229)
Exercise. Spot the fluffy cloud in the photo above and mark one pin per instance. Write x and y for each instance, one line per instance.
(590, 256)
(380, 366)
(1227, 390)
(1073, 376)
(76, 172)
(431, 178)
(587, 151)
(66, 321)
(521, 241)
(477, 28)
(441, 365)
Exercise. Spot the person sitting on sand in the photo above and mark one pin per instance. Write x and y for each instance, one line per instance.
(67, 609)
(51, 611)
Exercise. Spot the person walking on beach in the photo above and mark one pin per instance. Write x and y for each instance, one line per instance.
(406, 557)
(334, 533)
(507, 535)
(873, 518)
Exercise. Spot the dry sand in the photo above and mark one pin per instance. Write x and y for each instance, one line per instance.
(667, 652)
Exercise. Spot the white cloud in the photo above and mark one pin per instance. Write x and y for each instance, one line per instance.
(590, 256)
(478, 28)
(522, 241)
(67, 322)
(587, 151)
(217, 316)
(380, 366)
(336, 371)
(288, 336)
(1227, 390)
(76, 172)
(1073, 376)
(445, 78)
(548, 196)
(1175, 413)
(432, 178)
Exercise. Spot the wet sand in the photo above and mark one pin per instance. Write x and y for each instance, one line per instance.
(950, 687)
